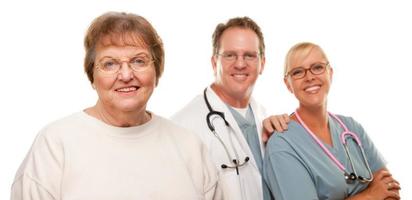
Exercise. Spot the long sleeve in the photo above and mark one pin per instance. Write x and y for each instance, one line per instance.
(39, 176)
(27, 188)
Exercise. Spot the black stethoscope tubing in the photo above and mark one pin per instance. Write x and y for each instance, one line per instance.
(235, 159)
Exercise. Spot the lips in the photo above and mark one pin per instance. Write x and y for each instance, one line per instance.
(312, 88)
(240, 76)
(127, 89)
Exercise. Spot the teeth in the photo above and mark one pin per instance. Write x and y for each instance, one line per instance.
(312, 88)
(240, 76)
(127, 89)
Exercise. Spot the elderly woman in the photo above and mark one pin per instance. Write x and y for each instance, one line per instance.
(117, 149)
(322, 155)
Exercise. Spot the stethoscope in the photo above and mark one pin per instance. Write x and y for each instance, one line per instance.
(236, 162)
(350, 177)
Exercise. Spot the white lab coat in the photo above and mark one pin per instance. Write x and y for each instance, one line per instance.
(248, 184)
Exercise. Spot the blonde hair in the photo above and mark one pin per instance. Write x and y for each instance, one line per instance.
(300, 51)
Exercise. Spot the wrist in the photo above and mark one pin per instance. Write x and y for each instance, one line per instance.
(361, 196)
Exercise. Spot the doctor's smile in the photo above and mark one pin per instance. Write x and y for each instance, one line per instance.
(240, 76)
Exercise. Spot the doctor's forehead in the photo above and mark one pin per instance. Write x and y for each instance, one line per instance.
(239, 39)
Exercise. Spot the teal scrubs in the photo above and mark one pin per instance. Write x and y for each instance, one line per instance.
(249, 130)
(296, 168)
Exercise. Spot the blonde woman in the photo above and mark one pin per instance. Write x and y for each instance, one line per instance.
(322, 155)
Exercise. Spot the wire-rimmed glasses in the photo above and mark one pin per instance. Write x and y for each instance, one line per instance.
(231, 57)
(137, 63)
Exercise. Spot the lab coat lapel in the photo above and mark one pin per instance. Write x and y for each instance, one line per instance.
(219, 105)
(260, 114)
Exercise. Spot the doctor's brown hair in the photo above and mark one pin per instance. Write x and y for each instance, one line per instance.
(238, 22)
(122, 29)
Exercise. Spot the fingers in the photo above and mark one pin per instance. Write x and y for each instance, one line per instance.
(393, 195)
(390, 198)
(384, 186)
(273, 123)
(386, 177)
(381, 174)
(286, 118)
(277, 123)
(284, 121)
(265, 136)
(393, 185)
(267, 125)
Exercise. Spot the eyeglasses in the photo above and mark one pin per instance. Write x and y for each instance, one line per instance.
(300, 72)
(249, 57)
(109, 65)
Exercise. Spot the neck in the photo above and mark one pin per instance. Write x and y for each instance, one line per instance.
(315, 116)
(317, 121)
(118, 118)
(240, 101)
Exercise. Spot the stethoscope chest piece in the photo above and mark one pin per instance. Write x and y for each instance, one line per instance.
(350, 178)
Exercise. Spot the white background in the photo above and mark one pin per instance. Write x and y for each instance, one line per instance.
(368, 44)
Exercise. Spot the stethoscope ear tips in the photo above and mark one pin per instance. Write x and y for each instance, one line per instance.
(223, 166)
(247, 158)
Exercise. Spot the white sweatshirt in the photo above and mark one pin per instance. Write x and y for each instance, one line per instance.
(82, 158)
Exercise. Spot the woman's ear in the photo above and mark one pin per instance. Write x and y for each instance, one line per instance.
(330, 73)
(288, 84)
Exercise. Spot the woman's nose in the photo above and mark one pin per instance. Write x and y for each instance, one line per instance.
(125, 73)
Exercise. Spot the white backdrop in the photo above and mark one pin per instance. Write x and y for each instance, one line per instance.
(368, 44)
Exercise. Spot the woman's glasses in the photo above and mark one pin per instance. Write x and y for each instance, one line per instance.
(300, 72)
(109, 65)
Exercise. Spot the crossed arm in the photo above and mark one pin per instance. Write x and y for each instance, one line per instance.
(383, 187)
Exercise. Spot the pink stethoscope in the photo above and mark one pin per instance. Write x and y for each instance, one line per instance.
(349, 177)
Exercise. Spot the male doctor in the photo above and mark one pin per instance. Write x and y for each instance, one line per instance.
(226, 117)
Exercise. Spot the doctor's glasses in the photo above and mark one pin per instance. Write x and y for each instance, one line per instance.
(230, 57)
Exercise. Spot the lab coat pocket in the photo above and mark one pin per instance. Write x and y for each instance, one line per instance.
(229, 184)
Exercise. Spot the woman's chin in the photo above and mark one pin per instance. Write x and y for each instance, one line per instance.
(130, 106)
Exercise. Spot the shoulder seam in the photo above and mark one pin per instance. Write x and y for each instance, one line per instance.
(35, 181)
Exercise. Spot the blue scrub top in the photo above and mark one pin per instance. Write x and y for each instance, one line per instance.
(248, 127)
(296, 168)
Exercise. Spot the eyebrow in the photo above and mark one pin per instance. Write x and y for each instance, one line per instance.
(141, 54)
(326, 63)
(245, 52)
